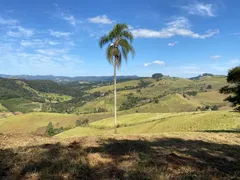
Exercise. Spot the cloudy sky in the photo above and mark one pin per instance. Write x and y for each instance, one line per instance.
(176, 37)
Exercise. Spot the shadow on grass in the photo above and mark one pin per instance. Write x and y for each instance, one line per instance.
(165, 158)
(222, 131)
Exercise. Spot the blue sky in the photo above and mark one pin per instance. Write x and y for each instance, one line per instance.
(176, 37)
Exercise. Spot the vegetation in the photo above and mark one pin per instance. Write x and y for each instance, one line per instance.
(157, 75)
(233, 89)
(119, 48)
(82, 122)
(129, 103)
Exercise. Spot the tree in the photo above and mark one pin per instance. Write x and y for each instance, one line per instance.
(50, 129)
(157, 75)
(119, 41)
(233, 88)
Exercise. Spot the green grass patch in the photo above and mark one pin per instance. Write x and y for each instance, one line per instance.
(159, 123)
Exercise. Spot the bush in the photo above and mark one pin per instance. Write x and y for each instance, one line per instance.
(215, 108)
(192, 93)
(101, 110)
(209, 86)
(51, 131)
(82, 123)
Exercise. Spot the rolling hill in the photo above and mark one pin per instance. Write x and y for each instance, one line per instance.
(147, 123)
(167, 94)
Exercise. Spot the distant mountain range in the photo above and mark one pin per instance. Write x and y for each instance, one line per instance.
(69, 79)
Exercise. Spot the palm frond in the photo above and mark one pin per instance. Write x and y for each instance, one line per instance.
(124, 53)
(109, 54)
(104, 40)
(128, 35)
(117, 31)
(127, 47)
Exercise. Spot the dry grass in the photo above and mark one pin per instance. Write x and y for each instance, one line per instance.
(31, 122)
(165, 156)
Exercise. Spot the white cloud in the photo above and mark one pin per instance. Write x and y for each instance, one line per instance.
(15, 60)
(51, 52)
(100, 20)
(53, 43)
(20, 32)
(8, 21)
(200, 9)
(215, 57)
(178, 27)
(37, 43)
(59, 34)
(70, 19)
(173, 43)
(65, 16)
(154, 62)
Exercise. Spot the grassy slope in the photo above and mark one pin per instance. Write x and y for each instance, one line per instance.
(132, 83)
(20, 104)
(31, 122)
(189, 123)
(172, 122)
(48, 96)
(3, 109)
(165, 86)
(169, 103)
(211, 97)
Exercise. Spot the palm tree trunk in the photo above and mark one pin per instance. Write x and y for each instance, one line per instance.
(115, 96)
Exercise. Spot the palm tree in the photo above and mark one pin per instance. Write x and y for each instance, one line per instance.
(118, 46)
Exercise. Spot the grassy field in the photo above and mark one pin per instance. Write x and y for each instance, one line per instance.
(210, 98)
(164, 156)
(158, 123)
(31, 122)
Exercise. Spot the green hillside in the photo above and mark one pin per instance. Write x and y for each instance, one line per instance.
(167, 94)
(159, 123)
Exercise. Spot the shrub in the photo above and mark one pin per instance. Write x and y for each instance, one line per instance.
(209, 86)
(192, 93)
(82, 123)
(50, 129)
